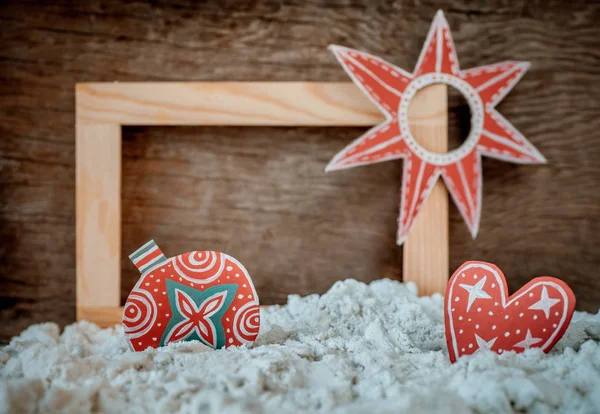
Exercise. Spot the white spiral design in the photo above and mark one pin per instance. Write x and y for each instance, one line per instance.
(199, 267)
(246, 322)
(139, 313)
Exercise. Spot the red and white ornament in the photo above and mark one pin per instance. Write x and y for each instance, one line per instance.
(202, 295)
(479, 314)
(391, 89)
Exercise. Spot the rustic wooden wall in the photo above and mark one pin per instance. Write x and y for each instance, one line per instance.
(260, 193)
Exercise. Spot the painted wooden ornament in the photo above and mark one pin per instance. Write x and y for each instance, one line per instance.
(391, 89)
(479, 314)
(202, 295)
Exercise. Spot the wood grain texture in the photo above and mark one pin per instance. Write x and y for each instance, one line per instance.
(225, 103)
(98, 210)
(425, 253)
(297, 229)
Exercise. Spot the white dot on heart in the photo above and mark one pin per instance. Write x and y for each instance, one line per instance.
(506, 333)
(520, 315)
(534, 316)
(460, 318)
(518, 331)
(476, 326)
(474, 276)
(506, 317)
(461, 331)
(531, 295)
(456, 299)
(544, 330)
(555, 313)
(470, 345)
(493, 327)
(554, 325)
(500, 351)
(517, 303)
(490, 313)
(229, 268)
(240, 296)
(478, 309)
(230, 340)
(463, 350)
(493, 285)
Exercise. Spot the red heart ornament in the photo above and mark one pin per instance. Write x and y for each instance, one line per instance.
(479, 315)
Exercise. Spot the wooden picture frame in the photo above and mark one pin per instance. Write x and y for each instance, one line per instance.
(103, 108)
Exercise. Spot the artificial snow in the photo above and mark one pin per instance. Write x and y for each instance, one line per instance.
(357, 348)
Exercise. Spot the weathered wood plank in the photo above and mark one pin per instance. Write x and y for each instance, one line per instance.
(536, 219)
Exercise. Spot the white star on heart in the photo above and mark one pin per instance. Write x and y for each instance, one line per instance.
(545, 303)
(528, 341)
(475, 292)
(483, 344)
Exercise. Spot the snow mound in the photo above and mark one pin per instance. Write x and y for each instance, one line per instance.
(357, 348)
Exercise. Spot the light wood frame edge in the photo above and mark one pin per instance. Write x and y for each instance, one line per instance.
(103, 108)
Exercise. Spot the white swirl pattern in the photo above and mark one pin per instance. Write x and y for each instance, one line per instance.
(207, 264)
(139, 313)
(246, 322)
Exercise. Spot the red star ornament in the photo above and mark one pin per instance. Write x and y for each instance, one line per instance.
(391, 89)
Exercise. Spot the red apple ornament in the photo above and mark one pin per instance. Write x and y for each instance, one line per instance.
(202, 295)
(479, 314)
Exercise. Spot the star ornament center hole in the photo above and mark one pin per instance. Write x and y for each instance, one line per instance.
(475, 106)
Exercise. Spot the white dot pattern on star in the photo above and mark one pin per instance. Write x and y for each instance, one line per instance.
(391, 89)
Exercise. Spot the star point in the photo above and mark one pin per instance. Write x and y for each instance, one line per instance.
(528, 341)
(484, 345)
(475, 292)
(545, 303)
